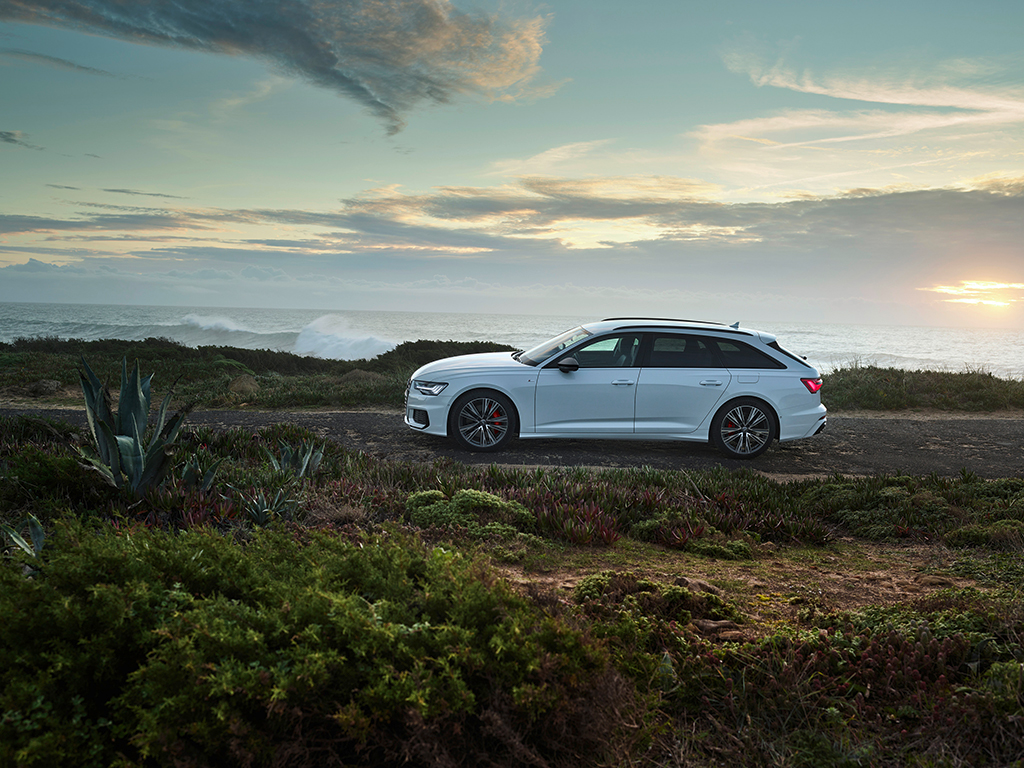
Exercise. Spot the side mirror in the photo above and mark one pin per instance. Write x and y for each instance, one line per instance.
(568, 364)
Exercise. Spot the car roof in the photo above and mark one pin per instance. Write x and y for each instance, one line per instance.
(665, 323)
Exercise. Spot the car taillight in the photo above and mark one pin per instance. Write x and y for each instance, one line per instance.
(813, 385)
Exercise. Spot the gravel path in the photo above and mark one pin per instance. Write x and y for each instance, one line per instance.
(991, 446)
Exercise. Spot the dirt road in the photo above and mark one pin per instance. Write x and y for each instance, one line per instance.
(854, 444)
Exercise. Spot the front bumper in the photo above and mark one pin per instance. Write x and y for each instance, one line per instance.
(426, 413)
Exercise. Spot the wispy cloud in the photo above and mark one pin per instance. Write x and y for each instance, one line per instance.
(17, 138)
(139, 192)
(877, 123)
(388, 56)
(50, 61)
(555, 160)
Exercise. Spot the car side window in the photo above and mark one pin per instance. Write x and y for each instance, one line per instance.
(609, 352)
(736, 354)
(679, 351)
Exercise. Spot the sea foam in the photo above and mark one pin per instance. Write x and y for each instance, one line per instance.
(332, 337)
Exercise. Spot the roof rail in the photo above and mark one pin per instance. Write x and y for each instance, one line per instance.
(662, 320)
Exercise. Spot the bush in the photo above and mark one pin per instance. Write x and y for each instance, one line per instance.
(478, 512)
(298, 648)
(1007, 535)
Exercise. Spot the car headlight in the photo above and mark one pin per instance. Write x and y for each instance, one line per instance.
(429, 387)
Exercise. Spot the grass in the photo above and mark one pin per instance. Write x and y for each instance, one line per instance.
(887, 389)
(868, 621)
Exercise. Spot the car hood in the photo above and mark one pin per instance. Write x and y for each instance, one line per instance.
(455, 365)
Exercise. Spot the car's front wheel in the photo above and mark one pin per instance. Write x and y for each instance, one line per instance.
(482, 421)
(743, 428)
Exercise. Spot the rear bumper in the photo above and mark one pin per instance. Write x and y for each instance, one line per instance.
(805, 424)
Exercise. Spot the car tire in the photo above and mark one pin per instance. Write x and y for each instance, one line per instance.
(483, 421)
(744, 428)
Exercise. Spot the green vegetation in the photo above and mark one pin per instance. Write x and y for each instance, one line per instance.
(141, 647)
(889, 389)
(209, 377)
(277, 600)
(224, 377)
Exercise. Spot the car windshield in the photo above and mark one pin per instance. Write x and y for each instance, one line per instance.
(552, 347)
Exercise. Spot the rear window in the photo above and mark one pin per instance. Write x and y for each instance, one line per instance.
(779, 348)
(736, 354)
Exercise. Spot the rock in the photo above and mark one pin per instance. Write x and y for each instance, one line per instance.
(695, 585)
(43, 388)
(244, 385)
(709, 627)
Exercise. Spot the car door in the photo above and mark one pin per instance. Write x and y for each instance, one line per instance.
(680, 383)
(595, 398)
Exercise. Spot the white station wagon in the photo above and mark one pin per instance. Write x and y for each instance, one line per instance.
(625, 378)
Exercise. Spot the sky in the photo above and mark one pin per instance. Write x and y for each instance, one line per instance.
(855, 162)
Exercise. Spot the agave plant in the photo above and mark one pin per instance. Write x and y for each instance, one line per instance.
(123, 456)
(303, 461)
(262, 508)
(36, 534)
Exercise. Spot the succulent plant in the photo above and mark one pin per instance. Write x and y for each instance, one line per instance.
(123, 455)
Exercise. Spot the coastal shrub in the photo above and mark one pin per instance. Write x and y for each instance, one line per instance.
(48, 482)
(300, 647)
(1006, 535)
(644, 624)
(889, 507)
(851, 694)
(992, 568)
(875, 388)
(478, 512)
(667, 602)
(728, 549)
(673, 529)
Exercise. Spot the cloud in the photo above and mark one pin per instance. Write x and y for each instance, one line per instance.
(263, 273)
(17, 138)
(138, 192)
(546, 216)
(51, 61)
(876, 124)
(549, 161)
(388, 55)
(984, 292)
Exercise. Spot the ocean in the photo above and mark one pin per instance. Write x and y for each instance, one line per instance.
(355, 335)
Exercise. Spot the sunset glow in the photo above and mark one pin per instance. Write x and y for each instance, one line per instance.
(982, 292)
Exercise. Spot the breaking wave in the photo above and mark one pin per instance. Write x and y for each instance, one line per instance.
(328, 336)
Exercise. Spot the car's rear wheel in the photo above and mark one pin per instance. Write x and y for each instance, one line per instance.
(483, 421)
(743, 428)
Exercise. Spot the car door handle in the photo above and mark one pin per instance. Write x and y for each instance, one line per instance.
(623, 383)
(711, 383)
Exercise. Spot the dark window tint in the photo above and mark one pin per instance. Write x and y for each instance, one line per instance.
(678, 351)
(736, 354)
(779, 348)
